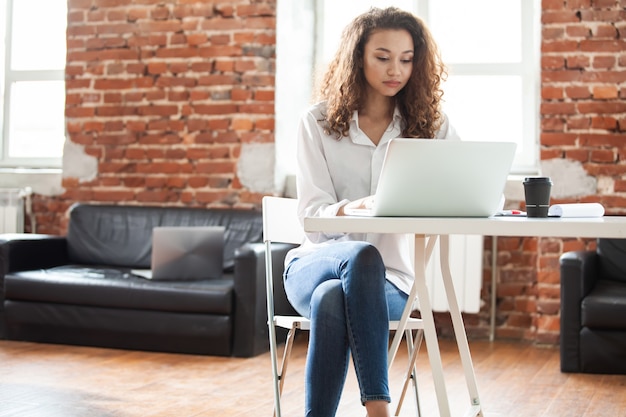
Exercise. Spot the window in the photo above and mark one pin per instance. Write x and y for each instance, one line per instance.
(33, 87)
(491, 50)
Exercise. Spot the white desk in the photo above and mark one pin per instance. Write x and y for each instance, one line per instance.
(427, 231)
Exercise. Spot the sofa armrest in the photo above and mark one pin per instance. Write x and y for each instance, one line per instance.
(24, 251)
(250, 321)
(579, 272)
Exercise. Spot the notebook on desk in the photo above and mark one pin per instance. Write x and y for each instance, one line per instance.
(185, 253)
(441, 178)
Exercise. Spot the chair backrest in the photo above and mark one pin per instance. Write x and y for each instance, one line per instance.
(280, 225)
(280, 220)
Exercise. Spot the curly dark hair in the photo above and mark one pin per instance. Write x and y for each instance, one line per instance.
(343, 86)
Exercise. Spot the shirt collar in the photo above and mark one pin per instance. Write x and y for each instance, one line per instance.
(393, 131)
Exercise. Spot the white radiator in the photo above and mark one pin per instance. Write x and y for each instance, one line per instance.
(12, 209)
(466, 267)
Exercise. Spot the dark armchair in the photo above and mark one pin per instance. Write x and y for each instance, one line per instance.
(593, 309)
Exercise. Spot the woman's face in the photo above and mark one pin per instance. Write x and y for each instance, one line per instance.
(388, 61)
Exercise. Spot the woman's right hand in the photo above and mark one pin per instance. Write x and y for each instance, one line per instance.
(361, 203)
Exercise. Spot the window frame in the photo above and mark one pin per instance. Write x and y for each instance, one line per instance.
(10, 76)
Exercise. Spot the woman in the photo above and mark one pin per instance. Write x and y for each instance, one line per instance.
(383, 83)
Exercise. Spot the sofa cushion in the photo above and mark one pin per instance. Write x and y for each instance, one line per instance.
(605, 306)
(206, 334)
(117, 288)
(121, 236)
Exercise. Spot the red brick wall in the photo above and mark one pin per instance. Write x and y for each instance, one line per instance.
(163, 94)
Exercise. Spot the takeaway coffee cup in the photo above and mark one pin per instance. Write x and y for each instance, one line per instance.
(537, 194)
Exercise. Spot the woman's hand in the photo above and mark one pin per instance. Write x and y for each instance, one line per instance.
(361, 203)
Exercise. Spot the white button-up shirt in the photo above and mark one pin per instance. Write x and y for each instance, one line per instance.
(331, 173)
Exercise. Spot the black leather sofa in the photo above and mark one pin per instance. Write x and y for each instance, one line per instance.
(78, 289)
(593, 309)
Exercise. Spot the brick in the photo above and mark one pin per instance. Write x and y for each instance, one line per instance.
(548, 322)
(568, 75)
(169, 26)
(605, 92)
(578, 31)
(265, 124)
(578, 4)
(577, 62)
(264, 95)
(214, 167)
(580, 155)
(157, 67)
(552, 33)
(601, 75)
(552, 124)
(550, 153)
(577, 92)
(604, 122)
(559, 139)
(242, 124)
(559, 46)
(601, 46)
(197, 38)
(603, 156)
(548, 307)
(551, 93)
(560, 16)
(519, 320)
(602, 107)
(602, 140)
(605, 31)
(215, 109)
(578, 123)
(157, 110)
(257, 108)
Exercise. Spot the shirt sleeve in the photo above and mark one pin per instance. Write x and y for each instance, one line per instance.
(316, 193)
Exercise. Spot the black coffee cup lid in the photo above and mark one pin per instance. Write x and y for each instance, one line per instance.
(538, 179)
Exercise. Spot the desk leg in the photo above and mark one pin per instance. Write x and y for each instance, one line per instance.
(427, 251)
(459, 328)
(430, 332)
(423, 250)
(494, 271)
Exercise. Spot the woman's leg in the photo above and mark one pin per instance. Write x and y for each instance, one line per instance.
(341, 288)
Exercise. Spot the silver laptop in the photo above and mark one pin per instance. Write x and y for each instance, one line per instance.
(441, 178)
(186, 253)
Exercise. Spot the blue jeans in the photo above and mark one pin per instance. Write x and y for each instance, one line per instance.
(343, 290)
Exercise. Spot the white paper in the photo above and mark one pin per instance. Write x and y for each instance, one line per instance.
(576, 210)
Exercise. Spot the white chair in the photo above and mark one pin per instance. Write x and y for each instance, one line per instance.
(281, 224)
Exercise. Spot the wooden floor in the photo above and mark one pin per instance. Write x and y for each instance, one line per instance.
(63, 381)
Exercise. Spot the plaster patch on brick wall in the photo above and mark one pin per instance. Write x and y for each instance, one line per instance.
(77, 164)
(606, 185)
(569, 178)
(255, 167)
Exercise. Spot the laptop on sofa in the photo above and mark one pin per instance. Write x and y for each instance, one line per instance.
(186, 253)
